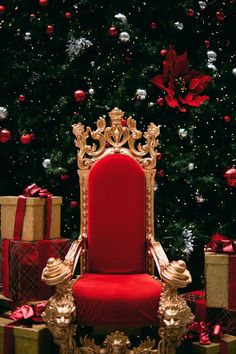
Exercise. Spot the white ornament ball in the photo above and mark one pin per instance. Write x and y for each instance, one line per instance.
(27, 36)
(182, 133)
(211, 66)
(211, 55)
(124, 37)
(141, 94)
(179, 25)
(91, 91)
(190, 166)
(202, 5)
(121, 17)
(234, 71)
(3, 113)
(47, 163)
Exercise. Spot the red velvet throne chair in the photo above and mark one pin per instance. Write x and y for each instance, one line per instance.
(117, 249)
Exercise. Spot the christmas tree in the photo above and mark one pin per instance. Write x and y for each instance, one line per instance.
(167, 62)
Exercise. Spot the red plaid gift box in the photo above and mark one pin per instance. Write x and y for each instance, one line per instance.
(197, 303)
(22, 265)
(227, 319)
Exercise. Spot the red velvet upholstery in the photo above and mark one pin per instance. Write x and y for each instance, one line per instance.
(117, 299)
(116, 216)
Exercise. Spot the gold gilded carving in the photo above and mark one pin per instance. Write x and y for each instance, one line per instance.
(175, 316)
(115, 343)
(116, 136)
(59, 316)
(176, 274)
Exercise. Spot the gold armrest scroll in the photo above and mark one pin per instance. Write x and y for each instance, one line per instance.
(58, 271)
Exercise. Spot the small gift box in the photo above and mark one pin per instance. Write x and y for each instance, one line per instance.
(220, 280)
(17, 338)
(197, 303)
(226, 346)
(22, 266)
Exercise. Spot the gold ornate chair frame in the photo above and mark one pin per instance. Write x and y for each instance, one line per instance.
(173, 313)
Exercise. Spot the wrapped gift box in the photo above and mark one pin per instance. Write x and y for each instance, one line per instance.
(18, 338)
(23, 262)
(197, 303)
(227, 319)
(214, 348)
(34, 218)
(220, 280)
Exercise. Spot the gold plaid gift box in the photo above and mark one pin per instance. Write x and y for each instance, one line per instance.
(34, 218)
(214, 348)
(20, 339)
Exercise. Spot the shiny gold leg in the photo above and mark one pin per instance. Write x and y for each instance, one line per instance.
(59, 316)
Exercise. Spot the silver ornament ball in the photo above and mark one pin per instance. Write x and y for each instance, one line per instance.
(234, 71)
(47, 163)
(27, 36)
(124, 37)
(182, 133)
(212, 56)
(121, 17)
(91, 91)
(3, 113)
(141, 94)
(179, 25)
(202, 5)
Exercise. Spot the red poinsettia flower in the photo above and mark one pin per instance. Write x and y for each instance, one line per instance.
(181, 84)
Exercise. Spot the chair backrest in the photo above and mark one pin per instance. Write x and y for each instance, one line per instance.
(116, 216)
(116, 193)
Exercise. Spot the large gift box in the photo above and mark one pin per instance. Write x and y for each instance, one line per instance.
(16, 338)
(30, 217)
(226, 346)
(22, 266)
(220, 280)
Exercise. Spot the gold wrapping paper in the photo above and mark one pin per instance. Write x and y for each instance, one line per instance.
(34, 219)
(214, 348)
(216, 279)
(35, 340)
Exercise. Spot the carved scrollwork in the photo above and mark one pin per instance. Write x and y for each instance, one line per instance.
(117, 136)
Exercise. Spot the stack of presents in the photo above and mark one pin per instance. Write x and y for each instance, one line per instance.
(30, 234)
(214, 329)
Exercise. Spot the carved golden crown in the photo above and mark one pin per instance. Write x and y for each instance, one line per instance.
(116, 139)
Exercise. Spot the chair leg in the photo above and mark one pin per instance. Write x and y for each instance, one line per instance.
(175, 316)
(59, 316)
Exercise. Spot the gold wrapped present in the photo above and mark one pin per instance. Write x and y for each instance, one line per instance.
(20, 339)
(34, 218)
(214, 348)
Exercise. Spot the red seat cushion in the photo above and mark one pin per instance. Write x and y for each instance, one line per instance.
(117, 299)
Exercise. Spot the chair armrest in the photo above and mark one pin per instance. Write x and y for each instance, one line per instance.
(58, 271)
(174, 273)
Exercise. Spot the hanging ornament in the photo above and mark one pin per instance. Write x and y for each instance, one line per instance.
(141, 94)
(179, 25)
(163, 52)
(47, 163)
(91, 91)
(76, 47)
(2, 9)
(113, 31)
(5, 136)
(64, 177)
(50, 29)
(68, 15)
(227, 119)
(199, 199)
(3, 113)
(230, 176)
(161, 173)
(124, 37)
(32, 17)
(27, 138)
(153, 25)
(234, 71)
(160, 101)
(79, 95)
(182, 133)
(211, 55)
(73, 204)
(121, 17)
(207, 43)
(27, 36)
(202, 5)
(220, 16)
(190, 166)
(159, 156)
(21, 98)
(190, 12)
(43, 3)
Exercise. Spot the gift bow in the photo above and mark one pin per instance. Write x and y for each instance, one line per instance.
(26, 312)
(34, 191)
(221, 243)
(204, 333)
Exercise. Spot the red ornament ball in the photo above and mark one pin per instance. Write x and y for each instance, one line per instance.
(163, 52)
(113, 31)
(68, 15)
(5, 136)
(27, 138)
(190, 12)
(79, 95)
(153, 25)
(74, 204)
(43, 2)
(159, 156)
(230, 176)
(160, 101)
(124, 122)
(207, 43)
(220, 16)
(50, 29)
(227, 119)
(64, 177)
(161, 173)
(21, 98)
(2, 9)
(32, 17)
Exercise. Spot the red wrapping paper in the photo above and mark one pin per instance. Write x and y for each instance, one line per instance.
(23, 263)
(197, 302)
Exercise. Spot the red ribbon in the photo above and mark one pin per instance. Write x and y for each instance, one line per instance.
(221, 243)
(32, 191)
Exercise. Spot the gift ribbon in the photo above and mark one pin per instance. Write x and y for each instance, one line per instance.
(32, 191)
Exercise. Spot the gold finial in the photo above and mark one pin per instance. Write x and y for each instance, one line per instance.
(116, 116)
(176, 274)
(56, 271)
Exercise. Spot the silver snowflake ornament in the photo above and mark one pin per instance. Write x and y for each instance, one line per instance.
(77, 46)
